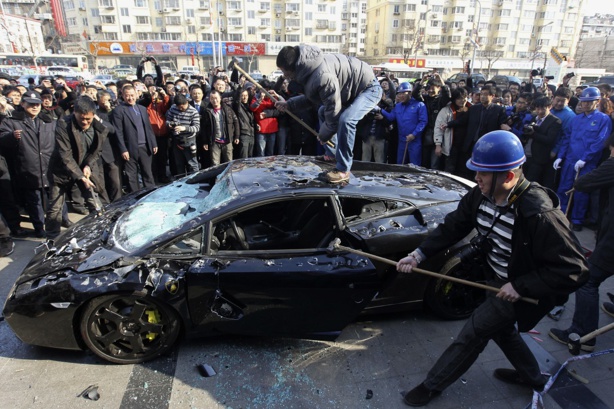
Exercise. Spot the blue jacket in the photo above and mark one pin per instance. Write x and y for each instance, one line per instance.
(586, 138)
(411, 118)
(524, 118)
(565, 115)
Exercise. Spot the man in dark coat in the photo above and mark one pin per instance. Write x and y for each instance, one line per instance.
(586, 314)
(135, 138)
(30, 137)
(539, 140)
(219, 129)
(79, 140)
(344, 88)
(522, 234)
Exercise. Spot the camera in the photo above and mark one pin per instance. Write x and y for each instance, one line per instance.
(570, 75)
(9, 100)
(172, 124)
(549, 77)
(529, 128)
(513, 119)
(475, 249)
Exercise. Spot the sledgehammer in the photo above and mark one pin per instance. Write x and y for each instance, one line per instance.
(336, 245)
(575, 341)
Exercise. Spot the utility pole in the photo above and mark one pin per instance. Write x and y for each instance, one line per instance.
(477, 31)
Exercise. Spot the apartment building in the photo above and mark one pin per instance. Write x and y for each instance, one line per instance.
(196, 32)
(597, 26)
(504, 36)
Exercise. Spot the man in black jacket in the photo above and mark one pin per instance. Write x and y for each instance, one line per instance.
(219, 129)
(521, 236)
(79, 140)
(31, 140)
(539, 138)
(586, 314)
(482, 118)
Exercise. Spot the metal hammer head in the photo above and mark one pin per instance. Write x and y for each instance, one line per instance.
(334, 245)
(573, 343)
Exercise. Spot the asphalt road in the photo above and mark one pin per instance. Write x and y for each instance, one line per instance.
(372, 362)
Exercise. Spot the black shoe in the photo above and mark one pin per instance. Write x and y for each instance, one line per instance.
(67, 223)
(19, 232)
(6, 247)
(562, 336)
(608, 308)
(419, 396)
(40, 233)
(511, 376)
(576, 227)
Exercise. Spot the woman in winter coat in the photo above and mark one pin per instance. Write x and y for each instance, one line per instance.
(448, 141)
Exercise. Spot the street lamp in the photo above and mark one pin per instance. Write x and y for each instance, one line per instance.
(545, 52)
(426, 17)
(477, 31)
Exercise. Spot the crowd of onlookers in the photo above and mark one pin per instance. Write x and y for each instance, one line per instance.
(99, 141)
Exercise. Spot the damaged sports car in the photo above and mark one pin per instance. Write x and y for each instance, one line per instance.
(241, 248)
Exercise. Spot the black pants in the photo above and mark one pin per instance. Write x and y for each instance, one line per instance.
(142, 163)
(55, 209)
(160, 159)
(495, 319)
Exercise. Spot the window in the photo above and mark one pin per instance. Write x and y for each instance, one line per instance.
(409, 7)
(142, 19)
(173, 20)
(293, 38)
(265, 37)
(251, 14)
(107, 19)
(97, 29)
(265, 22)
(308, 16)
(282, 225)
(159, 21)
(189, 245)
(84, 21)
(124, 11)
(205, 20)
(235, 37)
(234, 5)
(140, 3)
(189, 13)
(309, 31)
(235, 21)
(395, 23)
(69, 5)
(251, 30)
(126, 28)
(396, 9)
(322, 8)
(109, 36)
(502, 26)
(505, 12)
(101, 3)
(95, 12)
(458, 10)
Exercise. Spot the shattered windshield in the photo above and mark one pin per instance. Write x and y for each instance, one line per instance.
(169, 208)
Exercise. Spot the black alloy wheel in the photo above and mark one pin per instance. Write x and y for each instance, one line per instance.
(129, 329)
(453, 301)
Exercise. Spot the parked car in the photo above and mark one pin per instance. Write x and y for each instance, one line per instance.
(104, 78)
(23, 80)
(128, 74)
(606, 79)
(256, 75)
(477, 77)
(123, 67)
(189, 70)
(240, 248)
(504, 80)
(274, 75)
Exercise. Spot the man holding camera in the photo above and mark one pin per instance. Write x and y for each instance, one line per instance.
(521, 236)
(148, 78)
(184, 123)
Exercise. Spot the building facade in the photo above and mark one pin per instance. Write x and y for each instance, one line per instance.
(597, 26)
(508, 36)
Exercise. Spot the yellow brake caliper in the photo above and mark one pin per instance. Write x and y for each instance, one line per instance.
(153, 317)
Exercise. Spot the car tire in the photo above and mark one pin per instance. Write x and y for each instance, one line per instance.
(450, 300)
(128, 329)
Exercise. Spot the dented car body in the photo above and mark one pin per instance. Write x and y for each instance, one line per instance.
(240, 248)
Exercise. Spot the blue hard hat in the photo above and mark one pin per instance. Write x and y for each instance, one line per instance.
(590, 94)
(404, 87)
(497, 151)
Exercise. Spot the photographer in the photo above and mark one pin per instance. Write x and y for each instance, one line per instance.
(184, 123)
(521, 115)
(521, 237)
(148, 78)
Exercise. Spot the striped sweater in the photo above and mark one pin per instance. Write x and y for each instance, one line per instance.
(190, 118)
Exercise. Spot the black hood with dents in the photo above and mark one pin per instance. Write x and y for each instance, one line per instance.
(91, 251)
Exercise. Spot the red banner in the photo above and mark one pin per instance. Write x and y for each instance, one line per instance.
(58, 17)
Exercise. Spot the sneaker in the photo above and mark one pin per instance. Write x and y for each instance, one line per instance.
(6, 247)
(325, 158)
(19, 232)
(419, 396)
(337, 176)
(512, 376)
(562, 336)
(40, 233)
(80, 210)
(608, 308)
(67, 223)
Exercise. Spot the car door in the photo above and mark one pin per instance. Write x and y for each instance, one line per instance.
(268, 272)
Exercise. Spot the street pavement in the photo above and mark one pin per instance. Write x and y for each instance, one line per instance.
(367, 367)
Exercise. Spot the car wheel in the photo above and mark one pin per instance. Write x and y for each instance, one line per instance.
(451, 300)
(128, 329)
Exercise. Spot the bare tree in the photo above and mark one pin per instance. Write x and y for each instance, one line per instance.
(251, 56)
(465, 52)
(491, 56)
(410, 39)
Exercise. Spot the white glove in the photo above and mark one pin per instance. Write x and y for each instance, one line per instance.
(579, 165)
(557, 164)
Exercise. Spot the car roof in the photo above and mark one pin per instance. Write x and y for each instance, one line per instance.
(270, 176)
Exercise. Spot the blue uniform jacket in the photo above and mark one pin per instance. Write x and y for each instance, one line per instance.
(565, 115)
(586, 137)
(411, 118)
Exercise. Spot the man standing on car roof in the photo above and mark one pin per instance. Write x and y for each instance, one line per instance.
(344, 88)
(521, 236)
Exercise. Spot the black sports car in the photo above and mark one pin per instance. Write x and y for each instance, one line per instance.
(239, 248)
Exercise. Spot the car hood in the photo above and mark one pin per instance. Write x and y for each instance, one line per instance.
(83, 247)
